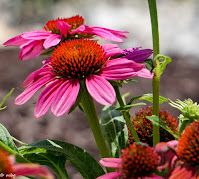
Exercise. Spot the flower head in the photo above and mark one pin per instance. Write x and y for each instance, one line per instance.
(137, 161)
(186, 163)
(10, 169)
(33, 43)
(72, 63)
(144, 126)
(188, 146)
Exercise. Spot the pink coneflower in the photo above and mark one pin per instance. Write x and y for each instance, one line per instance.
(138, 161)
(33, 43)
(73, 62)
(9, 169)
(187, 163)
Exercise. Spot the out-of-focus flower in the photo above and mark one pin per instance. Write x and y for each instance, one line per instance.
(9, 169)
(138, 161)
(186, 162)
(144, 127)
(73, 62)
(33, 43)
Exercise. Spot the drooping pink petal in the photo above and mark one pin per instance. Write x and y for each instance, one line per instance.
(63, 27)
(120, 69)
(36, 75)
(52, 40)
(32, 89)
(29, 42)
(36, 34)
(31, 51)
(137, 55)
(145, 73)
(45, 98)
(111, 175)
(111, 50)
(81, 28)
(111, 162)
(65, 97)
(32, 170)
(117, 33)
(106, 34)
(100, 89)
(16, 41)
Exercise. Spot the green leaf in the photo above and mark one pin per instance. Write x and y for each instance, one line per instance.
(149, 64)
(130, 80)
(6, 138)
(47, 52)
(128, 107)
(156, 120)
(4, 99)
(147, 97)
(114, 129)
(56, 161)
(163, 61)
(79, 158)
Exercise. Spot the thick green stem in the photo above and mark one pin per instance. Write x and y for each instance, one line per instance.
(91, 114)
(126, 115)
(156, 79)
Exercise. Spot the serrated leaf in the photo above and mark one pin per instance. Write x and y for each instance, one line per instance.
(114, 129)
(147, 97)
(156, 120)
(163, 61)
(79, 158)
(56, 161)
(128, 107)
(6, 138)
(4, 99)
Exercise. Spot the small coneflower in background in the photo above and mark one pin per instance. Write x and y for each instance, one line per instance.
(74, 62)
(9, 169)
(144, 127)
(137, 161)
(33, 43)
(188, 154)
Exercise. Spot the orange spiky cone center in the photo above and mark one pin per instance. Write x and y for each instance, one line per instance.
(188, 146)
(138, 160)
(75, 21)
(78, 58)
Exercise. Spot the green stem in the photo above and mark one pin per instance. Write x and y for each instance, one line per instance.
(19, 158)
(91, 114)
(126, 115)
(20, 142)
(156, 79)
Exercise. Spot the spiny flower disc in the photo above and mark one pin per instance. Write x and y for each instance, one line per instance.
(78, 58)
(144, 126)
(5, 165)
(188, 146)
(75, 21)
(139, 160)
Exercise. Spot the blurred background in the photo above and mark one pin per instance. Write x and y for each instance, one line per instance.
(179, 39)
